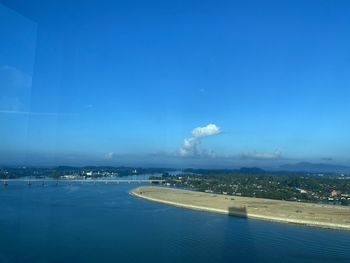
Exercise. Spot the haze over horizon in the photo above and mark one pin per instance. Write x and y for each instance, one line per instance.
(174, 83)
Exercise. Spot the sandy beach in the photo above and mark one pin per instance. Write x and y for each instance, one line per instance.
(317, 215)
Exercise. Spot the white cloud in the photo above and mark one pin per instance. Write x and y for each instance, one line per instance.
(110, 155)
(262, 155)
(209, 130)
(191, 146)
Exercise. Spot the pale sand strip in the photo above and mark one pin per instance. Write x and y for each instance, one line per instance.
(325, 216)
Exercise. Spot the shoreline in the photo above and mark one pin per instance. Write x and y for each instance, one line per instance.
(265, 209)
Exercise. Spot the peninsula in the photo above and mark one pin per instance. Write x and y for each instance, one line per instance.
(310, 214)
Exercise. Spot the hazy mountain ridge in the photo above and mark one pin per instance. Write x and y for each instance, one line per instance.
(315, 167)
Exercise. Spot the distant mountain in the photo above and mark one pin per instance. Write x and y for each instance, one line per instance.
(315, 167)
(252, 170)
(243, 170)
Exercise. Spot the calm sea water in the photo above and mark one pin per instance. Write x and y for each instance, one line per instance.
(103, 223)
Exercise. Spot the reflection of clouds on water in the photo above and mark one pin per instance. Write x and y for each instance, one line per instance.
(15, 86)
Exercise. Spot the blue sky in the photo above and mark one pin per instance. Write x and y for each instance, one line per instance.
(115, 83)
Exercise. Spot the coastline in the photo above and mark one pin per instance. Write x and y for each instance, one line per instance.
(315, 215)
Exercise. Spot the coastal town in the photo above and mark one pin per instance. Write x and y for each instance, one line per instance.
(331, 188)
(70, 172)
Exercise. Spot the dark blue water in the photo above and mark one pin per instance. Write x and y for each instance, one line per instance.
(103, 223)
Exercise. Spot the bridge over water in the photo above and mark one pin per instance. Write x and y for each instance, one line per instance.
(29, 182)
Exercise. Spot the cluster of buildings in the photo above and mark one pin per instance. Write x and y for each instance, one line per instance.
(88, 175)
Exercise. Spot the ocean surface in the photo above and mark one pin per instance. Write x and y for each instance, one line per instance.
(103, 223)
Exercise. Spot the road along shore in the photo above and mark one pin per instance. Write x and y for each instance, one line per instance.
(317, 215)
